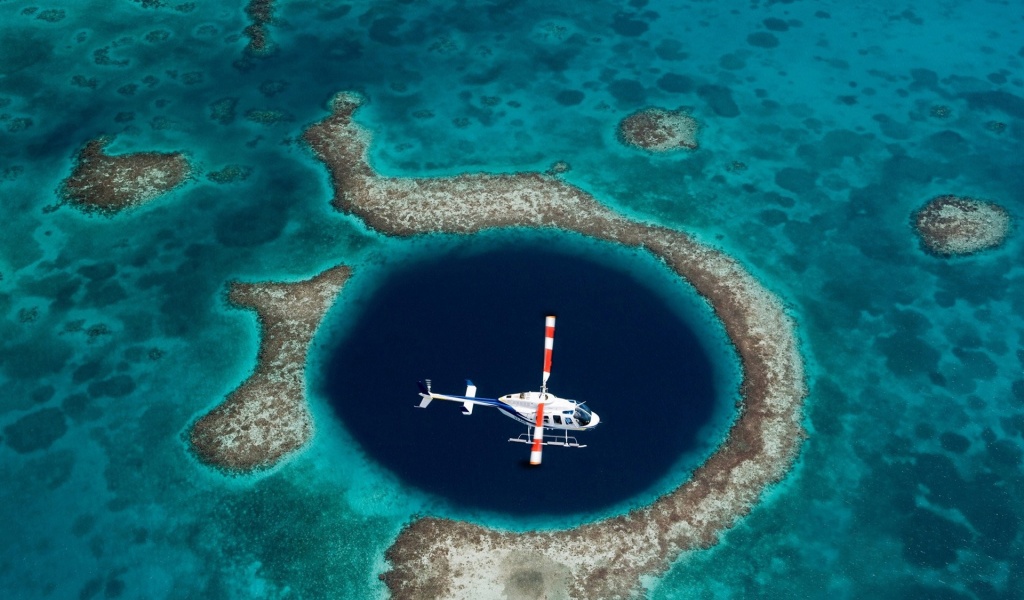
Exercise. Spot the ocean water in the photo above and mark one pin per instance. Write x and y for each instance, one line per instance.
(824, 126)
(658, 371)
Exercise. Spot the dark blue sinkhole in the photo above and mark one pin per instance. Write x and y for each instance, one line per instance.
(478, 314)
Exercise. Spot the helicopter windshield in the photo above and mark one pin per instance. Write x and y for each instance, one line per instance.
(582, 415)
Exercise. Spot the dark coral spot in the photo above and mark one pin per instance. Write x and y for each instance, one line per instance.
(892, 128)
(1005, 453)
(117, 386)
(999, 100)
(954, 442)
(100, 293)
(915, 170)
(91, 588)
(924, 591)
(34, 360)
(774, 24)
(569, 97)
(777, 198)
(949, 143)
(732, 62)
(36, 430)
(910, 321)
(798, 181)
(43, 394)
(89, 370)
(906, 354)
(932, 541)
(99, 271)
(624, 24)
(669, 49)
(762, 39)
(772, 216)
(924, 78)
(675, 83)
(83, 524)
(246, 227)
(1017, 388)
(114, 588)
(78, 408)
(382, 30)
(978, 365)
(719, 99)
(627, 90)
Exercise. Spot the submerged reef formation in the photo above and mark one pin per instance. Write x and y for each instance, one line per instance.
(435, 557)
(956, 225)
(659, 130)
(260, 13)
(108, 184)
(267, 417)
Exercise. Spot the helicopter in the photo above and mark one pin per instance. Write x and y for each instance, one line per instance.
(538, 410)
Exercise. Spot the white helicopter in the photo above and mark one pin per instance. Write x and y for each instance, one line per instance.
(536, 410)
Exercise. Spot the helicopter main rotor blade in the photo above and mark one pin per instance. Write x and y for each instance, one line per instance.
(538, 436)
(549, 344)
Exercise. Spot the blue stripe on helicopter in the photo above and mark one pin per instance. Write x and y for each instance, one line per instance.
(487, 401)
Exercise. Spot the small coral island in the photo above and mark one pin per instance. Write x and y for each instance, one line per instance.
(267, 417)
(957, 226)
(108, 184)
(659, 130)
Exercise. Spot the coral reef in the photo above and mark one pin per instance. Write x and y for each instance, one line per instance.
(435, 557)
(266, 418)
(659, 130)
(230, 174)
(108, 184)
(955, 225)
(260, 13)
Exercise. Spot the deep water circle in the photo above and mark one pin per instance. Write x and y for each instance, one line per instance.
(478, 313)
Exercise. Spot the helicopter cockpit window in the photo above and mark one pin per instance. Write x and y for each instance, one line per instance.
(582, 414)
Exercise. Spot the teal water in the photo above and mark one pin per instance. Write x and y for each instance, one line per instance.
(845, 117)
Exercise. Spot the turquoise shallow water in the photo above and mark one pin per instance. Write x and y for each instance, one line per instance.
(824, 126)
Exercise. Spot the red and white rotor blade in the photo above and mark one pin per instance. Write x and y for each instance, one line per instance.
(538, 436)
(549, 344)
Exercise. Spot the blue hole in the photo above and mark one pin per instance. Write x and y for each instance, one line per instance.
(472, 313)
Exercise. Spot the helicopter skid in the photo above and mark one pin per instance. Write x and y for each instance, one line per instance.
(566, 441)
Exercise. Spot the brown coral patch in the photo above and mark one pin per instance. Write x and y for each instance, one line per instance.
(108, 184)
(261, 14)
(954, 225)
(434, 558)
(267, 418)
(659, 130)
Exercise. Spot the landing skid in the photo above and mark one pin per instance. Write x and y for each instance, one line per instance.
(567, 441)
